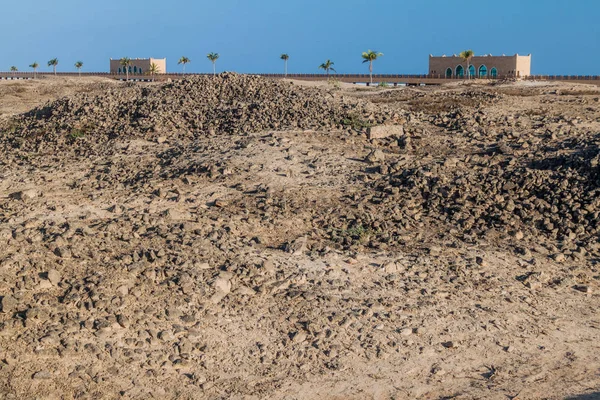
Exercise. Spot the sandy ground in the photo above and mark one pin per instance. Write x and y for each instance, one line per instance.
(125, 277)
(19, 96)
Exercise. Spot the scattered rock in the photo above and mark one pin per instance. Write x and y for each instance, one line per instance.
(53, 276)
(63, 252)
(8, 304)
(296, 247)
(384, 131)
(25, 195)
(375, 156)
(42, 375)
(583, 288)
(406, 332)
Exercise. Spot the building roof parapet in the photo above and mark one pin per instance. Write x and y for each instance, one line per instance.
(482, 55)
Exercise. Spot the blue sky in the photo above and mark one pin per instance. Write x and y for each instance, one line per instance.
(563, 37)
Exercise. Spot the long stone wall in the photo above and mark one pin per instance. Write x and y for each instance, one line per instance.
(350, 78)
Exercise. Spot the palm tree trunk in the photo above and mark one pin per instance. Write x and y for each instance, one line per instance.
(371, 70)
(285, 67)
(214, 68)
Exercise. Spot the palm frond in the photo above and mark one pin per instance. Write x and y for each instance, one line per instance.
(467, 55)
(371, 55)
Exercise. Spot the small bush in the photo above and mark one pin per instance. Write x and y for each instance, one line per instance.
(356, 122)
(334, 83)
(75, 134)
(357, 234)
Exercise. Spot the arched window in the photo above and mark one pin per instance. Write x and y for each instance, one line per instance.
(130, 69)
(449, 73)
(460, 71)
(119, 70)
(135, 69)
(140, 70)
(472, 71)
(494, 73)
(483, 71)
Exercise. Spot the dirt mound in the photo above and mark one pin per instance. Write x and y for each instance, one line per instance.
(555, 199)
(455, 257)
(429, 101)
(228, 103)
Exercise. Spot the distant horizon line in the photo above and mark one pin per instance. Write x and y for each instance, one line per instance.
(8, 74)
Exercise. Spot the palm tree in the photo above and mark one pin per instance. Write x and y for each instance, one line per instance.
(35, 66)
(184, 60)
(370, 56)
(78, 65)
(53, 63)
(125, 63)
(14, 69)
(467, 55)
(285, 59)
(327, 66)
(213, 57)
(153, 70)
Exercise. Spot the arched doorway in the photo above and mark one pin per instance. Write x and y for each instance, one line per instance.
(472, 71)
(483, 72)
(494, 73)
(449, 73)
(460, 71)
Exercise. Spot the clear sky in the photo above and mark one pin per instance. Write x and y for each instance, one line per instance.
(562, 36)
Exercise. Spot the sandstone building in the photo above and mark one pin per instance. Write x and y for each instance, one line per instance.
(139, 66)
(486, 66)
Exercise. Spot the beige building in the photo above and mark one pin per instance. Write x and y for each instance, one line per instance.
(486, 66)
(138, 66)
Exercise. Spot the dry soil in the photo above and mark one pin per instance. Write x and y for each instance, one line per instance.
(241, 238)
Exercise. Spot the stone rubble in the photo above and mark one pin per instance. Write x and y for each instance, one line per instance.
(236, 237)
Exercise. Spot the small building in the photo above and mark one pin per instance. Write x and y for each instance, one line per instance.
(138, 66)
(486, 66)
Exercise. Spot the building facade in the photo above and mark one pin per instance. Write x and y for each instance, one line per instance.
(138, 66)
(487, 66)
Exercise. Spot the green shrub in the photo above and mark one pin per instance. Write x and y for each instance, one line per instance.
(356, 122)
(334, 83)
(76, 134)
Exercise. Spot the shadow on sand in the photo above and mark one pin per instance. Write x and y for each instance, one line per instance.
(589, 396)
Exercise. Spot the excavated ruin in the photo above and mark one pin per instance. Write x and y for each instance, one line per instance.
(225, 104)
(239, 237)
